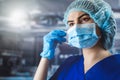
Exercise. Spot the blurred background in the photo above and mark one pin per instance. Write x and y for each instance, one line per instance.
(23, 23)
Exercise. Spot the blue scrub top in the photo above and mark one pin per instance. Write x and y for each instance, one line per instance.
(73, 69)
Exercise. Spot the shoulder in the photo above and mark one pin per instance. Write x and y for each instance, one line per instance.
(111, 64)
(116, 61)
(115, 58)
(71, 60)
(66, 65)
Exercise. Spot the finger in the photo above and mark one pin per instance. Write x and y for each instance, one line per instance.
(58, 33)
(61, 33)
(59, 39)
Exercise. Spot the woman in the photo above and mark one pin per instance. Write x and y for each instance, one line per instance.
(91, 27)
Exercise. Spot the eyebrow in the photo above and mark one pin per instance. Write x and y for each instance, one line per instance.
(82, 15)
(78, 17)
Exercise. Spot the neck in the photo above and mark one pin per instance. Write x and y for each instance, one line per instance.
(94, 54)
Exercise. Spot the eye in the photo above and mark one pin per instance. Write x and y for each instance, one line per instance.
(85, 19)
(71, 24)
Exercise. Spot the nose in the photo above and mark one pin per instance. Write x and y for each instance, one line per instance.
(76, 22)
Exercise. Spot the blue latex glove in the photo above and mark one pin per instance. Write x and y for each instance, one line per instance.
(50, 43)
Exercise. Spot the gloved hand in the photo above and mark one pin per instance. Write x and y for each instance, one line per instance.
(50, 43)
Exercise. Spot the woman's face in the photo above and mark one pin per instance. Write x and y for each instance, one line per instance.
(78, 17)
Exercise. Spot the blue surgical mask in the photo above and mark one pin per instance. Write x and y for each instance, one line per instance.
(83, 35)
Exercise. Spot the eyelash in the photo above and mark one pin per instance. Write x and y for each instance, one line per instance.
(81, 21)
(86, 19)
(71, 24)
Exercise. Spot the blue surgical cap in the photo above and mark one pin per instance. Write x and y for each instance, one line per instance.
(101, 13)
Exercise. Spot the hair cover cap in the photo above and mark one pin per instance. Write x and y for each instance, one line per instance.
(101, 13)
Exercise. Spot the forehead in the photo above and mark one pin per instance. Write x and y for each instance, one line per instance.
(75, 14)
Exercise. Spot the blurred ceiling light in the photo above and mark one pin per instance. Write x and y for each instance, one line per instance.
(18, 18)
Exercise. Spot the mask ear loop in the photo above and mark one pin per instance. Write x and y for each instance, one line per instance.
(65, 30)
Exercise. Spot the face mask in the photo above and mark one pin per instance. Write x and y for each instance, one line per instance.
(83, 35)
